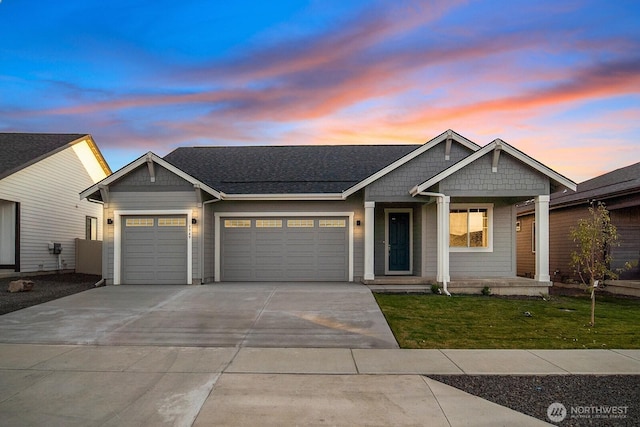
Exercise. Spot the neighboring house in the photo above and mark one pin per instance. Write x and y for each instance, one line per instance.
(321, 213)
(40, 178)
(619, 191)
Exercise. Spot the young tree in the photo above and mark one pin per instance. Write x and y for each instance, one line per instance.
(594, 236)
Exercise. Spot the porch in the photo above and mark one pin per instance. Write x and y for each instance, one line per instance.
(469, 285)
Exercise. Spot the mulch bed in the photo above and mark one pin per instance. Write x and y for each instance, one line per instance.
(46, 288)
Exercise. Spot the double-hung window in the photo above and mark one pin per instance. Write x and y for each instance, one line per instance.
(471, 228)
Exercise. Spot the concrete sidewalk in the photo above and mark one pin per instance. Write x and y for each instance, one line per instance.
(132, 385)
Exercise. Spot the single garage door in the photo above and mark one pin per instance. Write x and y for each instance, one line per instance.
(154, 249)
(284, 249)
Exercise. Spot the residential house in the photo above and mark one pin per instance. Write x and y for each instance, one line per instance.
(41, 214)
(619, 191)
(440, 211)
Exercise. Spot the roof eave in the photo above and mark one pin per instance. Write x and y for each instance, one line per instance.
(283, 196)
(557, 178)
(137, 163)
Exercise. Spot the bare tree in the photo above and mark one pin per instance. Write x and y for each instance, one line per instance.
(594, 236)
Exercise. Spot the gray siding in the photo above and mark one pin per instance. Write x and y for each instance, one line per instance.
(139, 180)
(513, 179)
(431, 256)
(395, 186)
(500, 262)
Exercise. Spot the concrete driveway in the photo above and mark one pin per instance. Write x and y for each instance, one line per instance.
(336, 315)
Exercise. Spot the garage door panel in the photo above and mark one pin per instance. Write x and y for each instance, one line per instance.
(284, 249)
(154, 249)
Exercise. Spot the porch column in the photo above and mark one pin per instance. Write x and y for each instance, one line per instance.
(369, 231)
(443, 239)
(542, 238)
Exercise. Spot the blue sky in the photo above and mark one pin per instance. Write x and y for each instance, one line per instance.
(557, 80)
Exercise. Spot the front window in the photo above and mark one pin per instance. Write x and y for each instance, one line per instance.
(470, 228)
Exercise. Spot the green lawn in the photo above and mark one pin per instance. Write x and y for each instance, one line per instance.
(436, 321)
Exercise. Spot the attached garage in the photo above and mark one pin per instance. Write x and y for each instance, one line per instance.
(154, 249)
(284, 248)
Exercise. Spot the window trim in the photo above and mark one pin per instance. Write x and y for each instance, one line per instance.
(467, 206)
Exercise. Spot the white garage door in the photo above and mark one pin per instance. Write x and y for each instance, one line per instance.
(154, 249)
(284, 249)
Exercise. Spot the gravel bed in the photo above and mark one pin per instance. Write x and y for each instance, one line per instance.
(46, 288)
(580, 394)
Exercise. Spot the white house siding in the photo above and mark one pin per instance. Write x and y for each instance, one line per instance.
(50, 207)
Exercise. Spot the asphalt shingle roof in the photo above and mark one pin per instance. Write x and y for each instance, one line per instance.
(610, 184)
(19, 150)
(285, 169)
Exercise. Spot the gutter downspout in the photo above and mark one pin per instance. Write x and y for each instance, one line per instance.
(440, 196)
(203, 220)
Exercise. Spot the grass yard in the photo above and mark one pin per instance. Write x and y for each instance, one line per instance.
(465, 321)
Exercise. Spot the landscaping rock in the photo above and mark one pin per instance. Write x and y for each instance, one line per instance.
(20, 286)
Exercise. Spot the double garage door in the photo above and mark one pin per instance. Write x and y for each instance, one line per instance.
(284, 249)
(154, 249)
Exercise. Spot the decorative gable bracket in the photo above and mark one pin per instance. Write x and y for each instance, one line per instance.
(152, 172)
(447, 152)
(496, 155)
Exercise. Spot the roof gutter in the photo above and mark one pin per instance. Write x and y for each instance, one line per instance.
(444, 247)
(282, 196)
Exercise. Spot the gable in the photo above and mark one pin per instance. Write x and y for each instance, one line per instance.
(396, 185)
(518, 177)
(511, 178)
(140, 180)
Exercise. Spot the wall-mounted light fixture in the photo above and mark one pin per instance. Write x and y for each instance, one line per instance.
(194, 221)
(109, 221)
(358, 223)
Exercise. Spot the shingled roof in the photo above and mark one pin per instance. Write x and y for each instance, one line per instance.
(19, 150)
(613, 184)
(285, 169)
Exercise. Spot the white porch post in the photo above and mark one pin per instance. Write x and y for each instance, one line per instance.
(443, 239)
(369, 229)
(542, 238)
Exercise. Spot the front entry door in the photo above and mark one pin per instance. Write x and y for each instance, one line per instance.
(399, 239)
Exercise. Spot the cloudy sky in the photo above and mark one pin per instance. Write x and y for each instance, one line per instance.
(559, 80)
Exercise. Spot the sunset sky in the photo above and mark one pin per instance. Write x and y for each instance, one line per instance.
(559, 80)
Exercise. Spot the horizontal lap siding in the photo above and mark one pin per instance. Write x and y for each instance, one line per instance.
(50, 208)
(526, 257)
(627, 222)
(500, 262)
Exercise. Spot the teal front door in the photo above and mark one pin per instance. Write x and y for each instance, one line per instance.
(399, 242)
